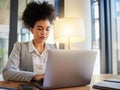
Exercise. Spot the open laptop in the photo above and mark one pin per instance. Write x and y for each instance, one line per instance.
(67, 68)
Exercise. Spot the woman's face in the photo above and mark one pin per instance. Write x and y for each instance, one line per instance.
(41, 31)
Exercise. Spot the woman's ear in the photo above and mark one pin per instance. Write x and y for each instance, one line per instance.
(31, 30)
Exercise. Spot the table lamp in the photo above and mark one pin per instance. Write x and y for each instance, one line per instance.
(69, 30)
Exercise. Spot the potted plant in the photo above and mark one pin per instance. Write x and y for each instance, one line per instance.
(3, 53)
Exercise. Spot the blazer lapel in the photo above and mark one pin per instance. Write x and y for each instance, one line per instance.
(26, 58)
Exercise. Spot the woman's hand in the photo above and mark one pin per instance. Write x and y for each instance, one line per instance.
(38, 77)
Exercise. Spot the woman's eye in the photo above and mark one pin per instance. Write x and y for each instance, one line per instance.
(47, 29)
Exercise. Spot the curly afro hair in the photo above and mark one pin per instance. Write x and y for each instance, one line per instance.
(36, 11)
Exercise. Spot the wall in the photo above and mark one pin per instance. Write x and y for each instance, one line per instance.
(4, 23)
(82, 9)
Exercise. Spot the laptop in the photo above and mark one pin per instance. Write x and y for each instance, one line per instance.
(67, 68)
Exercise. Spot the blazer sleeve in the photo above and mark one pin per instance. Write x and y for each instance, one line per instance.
(12, 70)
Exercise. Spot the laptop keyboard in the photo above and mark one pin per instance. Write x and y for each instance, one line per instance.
(37, 83)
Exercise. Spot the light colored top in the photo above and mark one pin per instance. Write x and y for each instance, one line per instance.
(39, 60)
(20, 63)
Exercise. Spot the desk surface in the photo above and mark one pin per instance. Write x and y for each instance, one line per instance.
(95, 79)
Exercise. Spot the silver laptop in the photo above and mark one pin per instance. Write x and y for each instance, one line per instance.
(68, 68)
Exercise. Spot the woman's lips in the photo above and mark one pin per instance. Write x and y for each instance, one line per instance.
(43, 37)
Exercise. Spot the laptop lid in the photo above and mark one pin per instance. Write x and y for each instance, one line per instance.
(68, 68)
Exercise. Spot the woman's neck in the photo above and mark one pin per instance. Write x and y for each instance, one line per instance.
(39, 46)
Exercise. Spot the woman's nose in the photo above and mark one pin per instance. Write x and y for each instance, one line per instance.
(44, 31)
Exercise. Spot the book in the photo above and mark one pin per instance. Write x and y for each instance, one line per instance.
(105, 85)
(112, 80)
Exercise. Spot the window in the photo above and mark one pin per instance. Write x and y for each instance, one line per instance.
(95, 33)
(4, 32)
(23, 33)
(115, 17)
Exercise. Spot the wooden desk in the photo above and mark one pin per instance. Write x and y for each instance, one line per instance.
(95, 79)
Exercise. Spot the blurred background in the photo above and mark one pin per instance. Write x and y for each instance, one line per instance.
(101, 29)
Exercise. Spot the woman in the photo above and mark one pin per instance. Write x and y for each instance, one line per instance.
(28, 60)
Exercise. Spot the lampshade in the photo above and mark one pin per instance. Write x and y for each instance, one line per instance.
(69, 27)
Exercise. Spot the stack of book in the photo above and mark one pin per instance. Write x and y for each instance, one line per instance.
(108, 84)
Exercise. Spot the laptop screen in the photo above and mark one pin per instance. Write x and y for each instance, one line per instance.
(67, 68)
